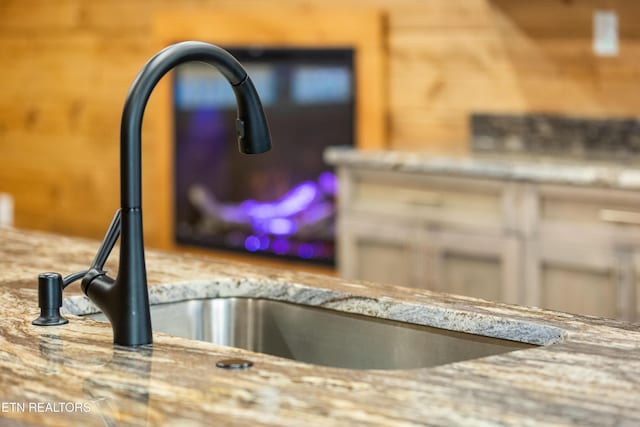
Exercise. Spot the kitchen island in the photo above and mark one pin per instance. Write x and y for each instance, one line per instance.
(561, 234)
(586, 372)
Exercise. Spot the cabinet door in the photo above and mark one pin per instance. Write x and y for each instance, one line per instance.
(380, 251)
(481, 266)
(581, 276)
(579, 254)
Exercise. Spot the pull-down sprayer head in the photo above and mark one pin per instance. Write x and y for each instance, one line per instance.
(251, 124)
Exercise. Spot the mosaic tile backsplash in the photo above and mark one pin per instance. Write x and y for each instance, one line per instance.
(556, 135)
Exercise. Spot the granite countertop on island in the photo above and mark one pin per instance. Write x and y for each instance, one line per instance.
(514, 167)
(587, 373)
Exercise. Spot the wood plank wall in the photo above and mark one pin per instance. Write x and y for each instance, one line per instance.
(66, 67)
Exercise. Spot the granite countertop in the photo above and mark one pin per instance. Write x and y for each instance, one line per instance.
(587, 373)
(520, 168)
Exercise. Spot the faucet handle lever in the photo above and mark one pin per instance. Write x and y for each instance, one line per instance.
(109, 241)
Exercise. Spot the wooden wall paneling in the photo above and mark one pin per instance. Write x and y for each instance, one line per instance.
(457, 70)
(437, 79)
(445, 130)
(558, 19)
(38, 15)
(52, 133)
(441, 15)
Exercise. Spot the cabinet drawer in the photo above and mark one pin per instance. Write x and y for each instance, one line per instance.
(595, 208)
(427, 197)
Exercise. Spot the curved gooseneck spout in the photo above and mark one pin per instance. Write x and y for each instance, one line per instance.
(125, 300)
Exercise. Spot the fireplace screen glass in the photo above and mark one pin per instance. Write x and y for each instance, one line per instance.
(280, 203)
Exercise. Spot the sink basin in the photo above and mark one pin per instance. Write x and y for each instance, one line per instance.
(320, 336)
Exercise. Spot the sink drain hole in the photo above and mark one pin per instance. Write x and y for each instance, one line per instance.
(234, 364)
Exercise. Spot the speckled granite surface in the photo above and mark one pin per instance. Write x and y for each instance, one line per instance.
(542, 170)
(590, 376)
(557, 135)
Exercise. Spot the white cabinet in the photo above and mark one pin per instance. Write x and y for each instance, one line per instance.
(580, 250)
(481, 266)
(568, 248)
(379, 250)
(577, 276)
(433, 232)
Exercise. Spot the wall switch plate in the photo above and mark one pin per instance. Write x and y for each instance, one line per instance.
(6, 210)
(605, 33)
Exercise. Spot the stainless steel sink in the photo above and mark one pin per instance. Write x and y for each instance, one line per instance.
(320, 336)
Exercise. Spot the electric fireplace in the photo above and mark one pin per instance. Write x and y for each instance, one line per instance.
(281, 203)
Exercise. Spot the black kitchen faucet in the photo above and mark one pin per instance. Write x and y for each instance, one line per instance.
(125, 300)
